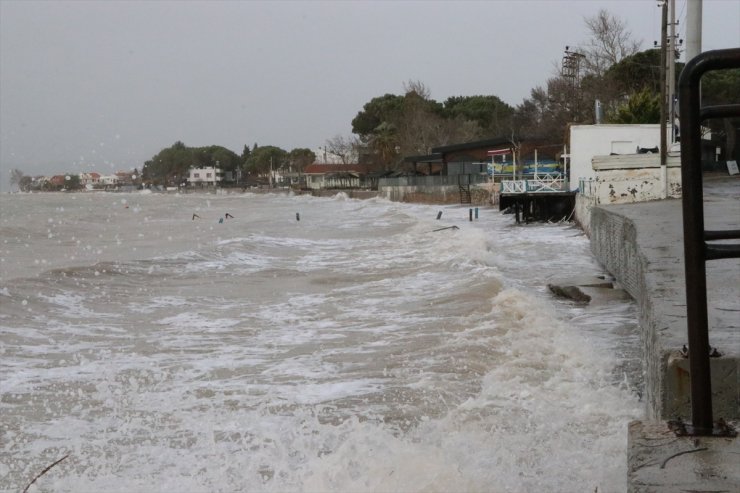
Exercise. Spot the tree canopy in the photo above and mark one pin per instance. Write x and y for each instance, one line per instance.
(172, 165)
(393, 125)
(265, 158)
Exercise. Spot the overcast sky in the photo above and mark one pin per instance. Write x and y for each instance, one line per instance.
(104, 85)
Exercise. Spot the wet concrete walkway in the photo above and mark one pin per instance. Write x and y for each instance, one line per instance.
(641, 244)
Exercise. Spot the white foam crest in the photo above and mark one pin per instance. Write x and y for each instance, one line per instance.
(153, 303)
(73, 305)
(197, 320)
(551, 395)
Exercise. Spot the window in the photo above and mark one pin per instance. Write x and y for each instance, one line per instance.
(196, 175)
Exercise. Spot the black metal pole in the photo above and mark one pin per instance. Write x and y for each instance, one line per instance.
(695, 249)
(663, 91)
(694, 260)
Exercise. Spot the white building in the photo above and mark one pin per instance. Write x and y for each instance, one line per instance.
(588, 141)
(109, 180)
(205, 177)
(90, 180)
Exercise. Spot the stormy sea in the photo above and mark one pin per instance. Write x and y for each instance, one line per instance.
(303, 344)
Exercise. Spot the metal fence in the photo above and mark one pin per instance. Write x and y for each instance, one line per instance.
(538, 184)
(433, 181)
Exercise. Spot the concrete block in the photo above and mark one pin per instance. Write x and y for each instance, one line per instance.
(725, 388)
(660, 462)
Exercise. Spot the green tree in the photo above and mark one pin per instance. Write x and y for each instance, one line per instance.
(378, 110)
(642, 107)
(169, 164)
(72, 182)
(25, 183)
(219, 156)
(299, 158)
(265, 159)
(492, 115)
(245, 153)
(391, 125)
(636, 72)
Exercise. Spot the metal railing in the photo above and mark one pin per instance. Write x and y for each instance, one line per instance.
(546, 182)
(697, 241)
(514, 186)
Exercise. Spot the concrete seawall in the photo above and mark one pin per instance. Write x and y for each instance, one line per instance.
(450, 194)
(642, 246)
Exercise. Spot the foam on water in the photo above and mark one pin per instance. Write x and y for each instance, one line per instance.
(355, 350)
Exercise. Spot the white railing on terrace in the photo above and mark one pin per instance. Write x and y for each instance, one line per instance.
(514, 186)
(548, 182)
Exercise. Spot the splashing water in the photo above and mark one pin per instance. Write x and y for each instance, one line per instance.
(353, 350)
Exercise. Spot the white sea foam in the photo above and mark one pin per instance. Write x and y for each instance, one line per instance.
(354, 350)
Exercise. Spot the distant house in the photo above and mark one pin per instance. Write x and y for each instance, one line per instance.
(109, 180)
(205, 177)
(125, 177)
(324, 176)
(57, 180)
(89, 180)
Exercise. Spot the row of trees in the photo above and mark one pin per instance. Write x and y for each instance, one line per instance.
(26, 183)
(609, 68)
(67, 181)
(171, 165)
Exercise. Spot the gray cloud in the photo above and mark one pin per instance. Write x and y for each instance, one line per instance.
(106, 85)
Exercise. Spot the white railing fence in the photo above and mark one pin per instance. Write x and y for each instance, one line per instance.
(547, 182)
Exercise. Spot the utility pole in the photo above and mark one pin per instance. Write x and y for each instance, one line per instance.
(671, 60)
(270, 171)
(693, 28)
(663, 96)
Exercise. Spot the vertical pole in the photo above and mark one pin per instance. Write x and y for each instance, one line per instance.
(476, 213)
(470, 213)
(693, 29)
(663, 96)
(671, 59)
(565, 168)
(694, 253)
(535, 163)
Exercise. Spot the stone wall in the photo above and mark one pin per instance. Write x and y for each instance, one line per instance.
(614, 242)
(481, 195)
(644, 252)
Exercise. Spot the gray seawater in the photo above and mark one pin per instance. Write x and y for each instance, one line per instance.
(354, 350)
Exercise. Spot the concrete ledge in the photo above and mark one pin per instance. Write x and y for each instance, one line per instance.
(660, 462)
(642, 246)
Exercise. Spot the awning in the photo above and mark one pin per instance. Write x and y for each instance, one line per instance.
(498, 152)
